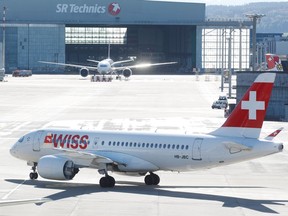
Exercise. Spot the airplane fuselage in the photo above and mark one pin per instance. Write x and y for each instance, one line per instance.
(104, 67)
(143, 152)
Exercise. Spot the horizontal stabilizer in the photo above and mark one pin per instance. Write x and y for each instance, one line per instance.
(274, 134)
(237, 146)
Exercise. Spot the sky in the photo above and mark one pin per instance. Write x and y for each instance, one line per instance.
(233, 2)
(227, 2)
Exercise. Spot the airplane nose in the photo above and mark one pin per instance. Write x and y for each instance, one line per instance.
(13, 150)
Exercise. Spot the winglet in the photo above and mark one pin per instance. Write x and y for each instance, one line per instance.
(247, 118)
(274, 134)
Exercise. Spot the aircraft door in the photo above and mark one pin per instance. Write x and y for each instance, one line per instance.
(196, 150)
(37, 141)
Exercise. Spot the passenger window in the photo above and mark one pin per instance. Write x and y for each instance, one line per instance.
(168, 146)
(160, 146)
(187, 147)
(147, 145)
(126, 144)
(182, 147)
(151, 146)
(164, 146)
(131, 144)
(122, 144)
(177, 147)
(173, 146)
(156, 145)
(114, 143)
(135, 144)
(103, 142)
(143, 145)
(109, 143)
(118, 143)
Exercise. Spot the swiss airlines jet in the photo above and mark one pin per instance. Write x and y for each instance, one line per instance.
(60, 154)
(108, 66)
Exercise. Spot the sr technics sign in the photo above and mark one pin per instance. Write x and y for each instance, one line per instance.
(112, 8)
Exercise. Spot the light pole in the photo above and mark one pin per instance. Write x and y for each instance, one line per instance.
(254, 18)
(4, 39)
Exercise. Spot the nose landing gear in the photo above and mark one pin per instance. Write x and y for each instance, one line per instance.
(34, 175)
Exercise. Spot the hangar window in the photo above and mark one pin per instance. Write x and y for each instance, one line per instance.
(95, 35)
(215, 48)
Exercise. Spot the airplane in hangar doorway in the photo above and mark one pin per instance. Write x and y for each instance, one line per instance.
(109, 67)
(59, 154)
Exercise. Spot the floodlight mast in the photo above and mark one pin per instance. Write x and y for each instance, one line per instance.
(4, 38)
(254, 18)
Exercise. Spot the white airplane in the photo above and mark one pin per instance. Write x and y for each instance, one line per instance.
(59, 154)
(108, 66)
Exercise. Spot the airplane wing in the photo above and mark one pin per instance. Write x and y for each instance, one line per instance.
(69, 65)
(124, 162)
(85, 155)
(22, 201)
(121, 62)
(144, 65)
(92, 60)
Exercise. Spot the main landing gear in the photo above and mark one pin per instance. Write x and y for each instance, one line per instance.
(152, 179)
(109, 182)
(33, 175)
(106, 181)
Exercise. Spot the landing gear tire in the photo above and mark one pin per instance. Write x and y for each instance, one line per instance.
(152, 179)
(33, 175)
(107, 181)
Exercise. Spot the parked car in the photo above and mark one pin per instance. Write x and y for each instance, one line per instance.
(219, 104)
(223, 98)
(21, 73)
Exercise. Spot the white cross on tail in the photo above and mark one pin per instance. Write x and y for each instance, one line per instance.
(252, 105)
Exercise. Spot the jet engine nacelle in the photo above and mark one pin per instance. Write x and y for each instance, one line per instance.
(56, 168)
(84, 72)
(127, 72)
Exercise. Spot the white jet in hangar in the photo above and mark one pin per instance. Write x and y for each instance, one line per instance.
(109, 67)
(59, 154)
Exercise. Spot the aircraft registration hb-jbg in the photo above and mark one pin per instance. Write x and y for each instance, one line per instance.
(59, 154)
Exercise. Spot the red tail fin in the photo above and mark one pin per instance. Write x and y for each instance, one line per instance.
(273, 62)
(247, 118)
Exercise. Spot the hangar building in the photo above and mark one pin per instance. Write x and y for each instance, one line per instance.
(72, 31)
(153, 31)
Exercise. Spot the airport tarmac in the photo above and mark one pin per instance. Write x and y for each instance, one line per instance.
(169, 104)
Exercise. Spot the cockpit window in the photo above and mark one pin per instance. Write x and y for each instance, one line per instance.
(21, 139)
